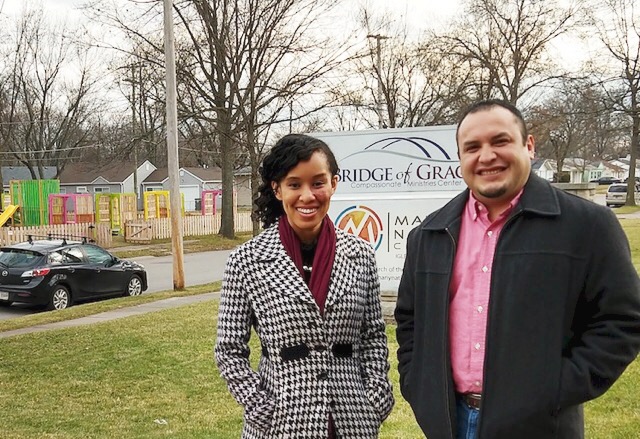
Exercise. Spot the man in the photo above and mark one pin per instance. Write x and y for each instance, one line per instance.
(518, 301)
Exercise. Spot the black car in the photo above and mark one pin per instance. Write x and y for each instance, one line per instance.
(606, 180)
(57, 273)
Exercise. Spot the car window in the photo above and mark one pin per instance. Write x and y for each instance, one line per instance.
(617, 189)
(15, 258)
(73, 255)
(96, 255)
(62, 257)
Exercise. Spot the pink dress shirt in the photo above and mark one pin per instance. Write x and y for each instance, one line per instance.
(469, 290)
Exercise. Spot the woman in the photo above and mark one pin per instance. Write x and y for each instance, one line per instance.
(312, 294)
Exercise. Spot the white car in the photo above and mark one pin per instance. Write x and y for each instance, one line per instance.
(617, 194)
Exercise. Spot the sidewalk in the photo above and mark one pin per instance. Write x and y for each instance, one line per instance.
(171, 302)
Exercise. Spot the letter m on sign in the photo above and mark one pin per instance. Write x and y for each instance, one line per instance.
(362, 223)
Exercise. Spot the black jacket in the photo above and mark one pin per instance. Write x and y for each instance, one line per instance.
(563, 323)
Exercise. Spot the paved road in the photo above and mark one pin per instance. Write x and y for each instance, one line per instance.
(199, 268)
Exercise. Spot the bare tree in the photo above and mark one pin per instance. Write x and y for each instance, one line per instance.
(617, 23)
(503, 43)
(47, 109)
(563, 124)
(399, 81)
(250, 60)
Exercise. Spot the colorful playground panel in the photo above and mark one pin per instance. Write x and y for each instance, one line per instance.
(32, 196)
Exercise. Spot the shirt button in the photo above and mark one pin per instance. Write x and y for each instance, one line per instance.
(477, 383)
(477, 346)
(489, 233)
(485, 269)
(480, 309)
(322, 376)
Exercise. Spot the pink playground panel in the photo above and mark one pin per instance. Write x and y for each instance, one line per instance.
(71, 208)
(209, 201)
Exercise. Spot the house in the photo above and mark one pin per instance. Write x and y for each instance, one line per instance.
(543, 168)
(10, 173)
(22, 173)
(116, 177)
(243, 187)
(583, 171)
(623, 164)
(579, 170)
(193, 181)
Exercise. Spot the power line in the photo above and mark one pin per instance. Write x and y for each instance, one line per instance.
(49, 150)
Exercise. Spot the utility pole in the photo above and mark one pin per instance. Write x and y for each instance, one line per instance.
(134, 131)
(380, 97)
(172, 149)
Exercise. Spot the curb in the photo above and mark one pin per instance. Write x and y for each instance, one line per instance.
(172, 302)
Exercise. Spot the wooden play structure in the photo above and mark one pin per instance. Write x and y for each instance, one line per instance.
(157, 205)
(32, 197)
(116, 210)
(7, 214)
(71, 208)
(209, 198)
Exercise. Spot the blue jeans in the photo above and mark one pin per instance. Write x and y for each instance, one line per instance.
(467, 420)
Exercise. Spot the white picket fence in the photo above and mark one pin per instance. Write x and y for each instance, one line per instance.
(100, 233)
(192, 225)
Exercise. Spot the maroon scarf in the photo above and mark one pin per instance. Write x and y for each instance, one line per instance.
(322, 259)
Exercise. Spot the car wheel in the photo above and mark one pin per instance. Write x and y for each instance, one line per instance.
(6, 303)
(60, 298)
(134, 287)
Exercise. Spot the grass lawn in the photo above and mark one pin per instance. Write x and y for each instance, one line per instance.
(191, 244)
(153, 376)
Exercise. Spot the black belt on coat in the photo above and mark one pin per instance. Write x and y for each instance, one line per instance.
(299, 351)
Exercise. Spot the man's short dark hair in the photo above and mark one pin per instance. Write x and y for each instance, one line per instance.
(488, 104)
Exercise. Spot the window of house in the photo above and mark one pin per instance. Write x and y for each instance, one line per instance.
(101, 189)
(81, 190)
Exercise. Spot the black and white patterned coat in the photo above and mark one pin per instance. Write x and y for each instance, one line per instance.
(292, 397)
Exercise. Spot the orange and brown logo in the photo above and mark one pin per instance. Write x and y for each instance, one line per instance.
(363, 222)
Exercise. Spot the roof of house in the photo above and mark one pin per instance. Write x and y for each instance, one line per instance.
(537, 163)
(204, 174)
(22, 173)
(86, 173)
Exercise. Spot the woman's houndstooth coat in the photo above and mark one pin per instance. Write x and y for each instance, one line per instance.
(306, 370)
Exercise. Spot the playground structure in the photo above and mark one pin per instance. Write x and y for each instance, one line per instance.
(209, 201)
(116, 210)
(32, 196)
(157, 205)
(71, 208)
(8, 213)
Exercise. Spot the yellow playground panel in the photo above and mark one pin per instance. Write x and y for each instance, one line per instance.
(157, 205)
(116, 209)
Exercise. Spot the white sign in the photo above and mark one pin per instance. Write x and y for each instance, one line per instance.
(390, 180)
(396, 160)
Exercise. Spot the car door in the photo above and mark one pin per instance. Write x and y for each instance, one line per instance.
(108, 276)
(79, 274)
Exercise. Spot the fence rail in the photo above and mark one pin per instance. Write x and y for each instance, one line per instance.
(100, 233)
(195, 225)
(136, 230)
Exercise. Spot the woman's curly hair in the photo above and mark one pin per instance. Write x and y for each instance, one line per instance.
(284, 156)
